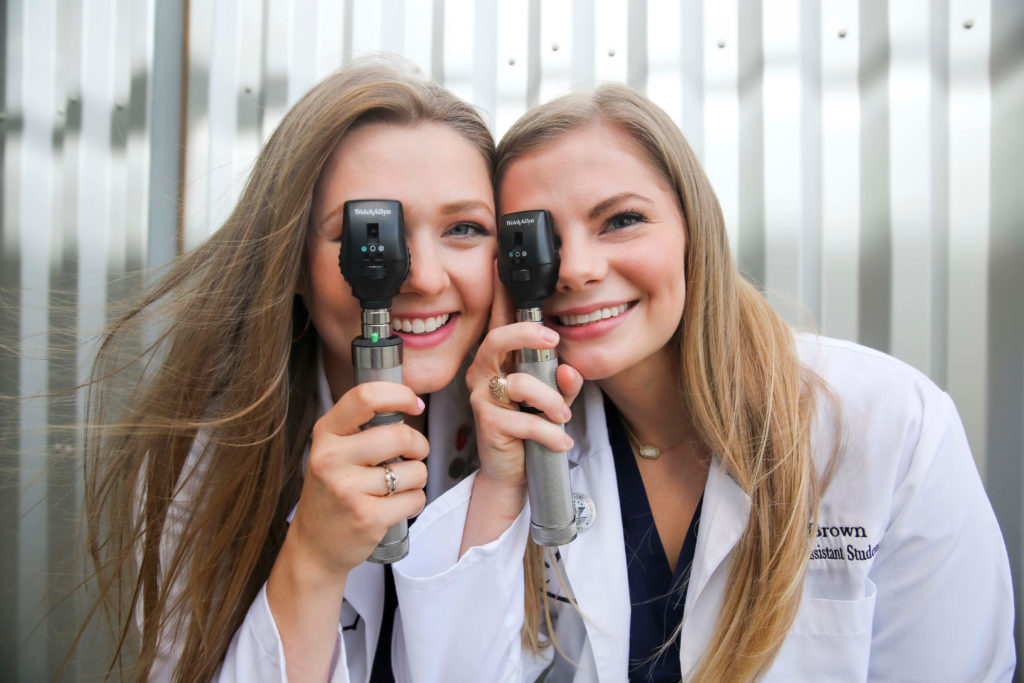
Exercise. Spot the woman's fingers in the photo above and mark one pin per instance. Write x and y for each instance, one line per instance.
(570, 382)
(528, 390)
(359, 405)
(372, 480)
(519, 426)
(502, 310)
(501, 341)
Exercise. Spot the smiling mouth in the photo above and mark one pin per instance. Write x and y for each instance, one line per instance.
(419, 325)
(594, 316)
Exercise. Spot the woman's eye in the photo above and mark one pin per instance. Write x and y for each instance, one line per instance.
(625, 219)
(466, 229)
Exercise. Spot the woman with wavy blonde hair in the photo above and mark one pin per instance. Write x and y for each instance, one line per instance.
(753, 503)
(232, 499)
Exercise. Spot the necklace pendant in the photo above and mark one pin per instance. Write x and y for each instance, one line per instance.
(648, 452)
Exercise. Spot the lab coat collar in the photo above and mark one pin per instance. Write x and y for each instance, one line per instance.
(593, 573)
(723, 518)
(725, 513)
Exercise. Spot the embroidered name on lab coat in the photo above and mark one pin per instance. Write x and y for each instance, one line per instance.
(850, 551)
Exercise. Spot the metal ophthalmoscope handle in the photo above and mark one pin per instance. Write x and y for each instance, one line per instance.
(528, 266)
(375, 261)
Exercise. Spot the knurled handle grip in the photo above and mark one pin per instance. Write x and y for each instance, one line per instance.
(395, 544)
(552, 515)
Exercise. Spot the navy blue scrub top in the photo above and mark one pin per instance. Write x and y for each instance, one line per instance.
(656, 594)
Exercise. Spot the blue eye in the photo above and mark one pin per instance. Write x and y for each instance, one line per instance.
(625, 219)
(466, 229)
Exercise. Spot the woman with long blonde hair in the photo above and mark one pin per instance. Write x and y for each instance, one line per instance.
(753, 503)
(232, 499)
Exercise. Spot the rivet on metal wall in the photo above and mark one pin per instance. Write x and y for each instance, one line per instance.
(842, 33)
(119, 106)
(968, 23)
(611, 52)
(511, 61)
(554, 47)
(721, 44)
(248, 90)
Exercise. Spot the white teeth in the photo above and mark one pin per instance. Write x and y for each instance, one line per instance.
(593, 316)
(419, 325)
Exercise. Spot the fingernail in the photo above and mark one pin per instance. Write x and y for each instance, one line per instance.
(420, 405)
(568, 442)
(566, 413)
(550, 336)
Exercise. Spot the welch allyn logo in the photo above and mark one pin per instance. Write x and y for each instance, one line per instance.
(520, 221)
(372, 212)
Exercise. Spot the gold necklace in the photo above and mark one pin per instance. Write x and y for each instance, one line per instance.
(646, 450)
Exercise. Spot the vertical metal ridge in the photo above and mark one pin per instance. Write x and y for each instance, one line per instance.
(874, 277)
(583, 44)
(811, 159)
(637, 67)
(62, 491)
(969, 138)
(692, 79)
(166, 132)
(939, 120)
(485, 60)
(533, 55)
(1005, 283)
(751, 257)
(437, 48)
(11, 37)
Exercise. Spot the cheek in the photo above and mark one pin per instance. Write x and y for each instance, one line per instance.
(328, 289)
(474, 280)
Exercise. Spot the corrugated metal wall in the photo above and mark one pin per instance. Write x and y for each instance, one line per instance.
(867, 156)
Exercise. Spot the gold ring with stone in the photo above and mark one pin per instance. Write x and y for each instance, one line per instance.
(499, 387)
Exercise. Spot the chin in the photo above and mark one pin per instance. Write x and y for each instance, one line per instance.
(428, 381)
(593, 366)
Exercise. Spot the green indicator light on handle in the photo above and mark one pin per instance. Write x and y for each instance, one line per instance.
(374, 337)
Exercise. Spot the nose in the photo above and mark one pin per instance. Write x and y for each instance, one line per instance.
(428, 275)
(582, 262)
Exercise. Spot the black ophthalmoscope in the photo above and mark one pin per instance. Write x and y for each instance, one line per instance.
(374, 260)
(528, 267)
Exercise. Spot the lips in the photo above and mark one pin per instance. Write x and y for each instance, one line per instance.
(424, 331)
(596, 315)
(424, 325)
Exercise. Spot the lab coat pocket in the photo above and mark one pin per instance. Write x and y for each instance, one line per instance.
(830, 640)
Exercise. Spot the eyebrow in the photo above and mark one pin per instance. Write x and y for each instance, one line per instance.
(467, 205)
(603, 206)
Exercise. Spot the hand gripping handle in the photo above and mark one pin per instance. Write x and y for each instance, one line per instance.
(552, 515)
(395, 544)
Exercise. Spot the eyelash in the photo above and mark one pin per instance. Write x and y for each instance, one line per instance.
(634, 217)
(473, 228)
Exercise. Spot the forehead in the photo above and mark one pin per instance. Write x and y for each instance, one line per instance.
(407, 162)
(596, 159)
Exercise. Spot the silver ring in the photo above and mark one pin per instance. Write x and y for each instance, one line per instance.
(390, 480)
(499, 387)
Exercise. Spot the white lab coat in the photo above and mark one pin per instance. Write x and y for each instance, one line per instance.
(255, 652)
(909, 578)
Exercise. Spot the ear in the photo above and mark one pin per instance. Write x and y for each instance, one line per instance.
(302, 283)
